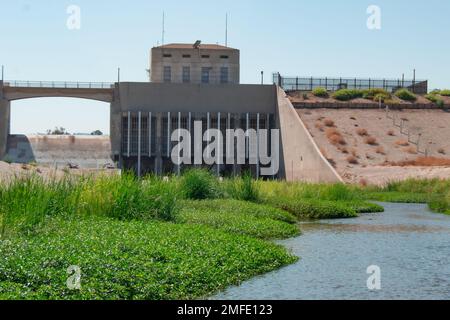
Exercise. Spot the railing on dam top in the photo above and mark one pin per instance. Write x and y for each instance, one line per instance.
(334, 84)
(58, 84)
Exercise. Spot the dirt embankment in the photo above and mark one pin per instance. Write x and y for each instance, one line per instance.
(303, 99)
(368, 144)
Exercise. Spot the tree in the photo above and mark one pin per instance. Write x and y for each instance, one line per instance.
(97, 133)
(57, 131)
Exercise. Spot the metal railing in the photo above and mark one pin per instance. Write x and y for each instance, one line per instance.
(58, 84)
(334, 84)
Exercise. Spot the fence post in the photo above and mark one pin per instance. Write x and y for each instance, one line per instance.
(296, 84)
(311, 83)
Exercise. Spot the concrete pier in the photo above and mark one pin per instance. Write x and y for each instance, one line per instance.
(5, 115)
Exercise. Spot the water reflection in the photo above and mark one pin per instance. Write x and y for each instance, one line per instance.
(410, 244)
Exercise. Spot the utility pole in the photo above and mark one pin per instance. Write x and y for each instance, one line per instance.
(3, 73)
(118, 75)
(262, 77)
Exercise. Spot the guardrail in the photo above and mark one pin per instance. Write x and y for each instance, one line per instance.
(58, 84)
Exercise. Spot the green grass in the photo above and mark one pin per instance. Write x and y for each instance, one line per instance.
(131, 260)
(240, 217)
(26, 202)
(406, 95)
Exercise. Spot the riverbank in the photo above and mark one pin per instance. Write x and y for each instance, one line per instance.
(182, 238)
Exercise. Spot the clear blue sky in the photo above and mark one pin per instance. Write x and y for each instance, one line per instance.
(294, 37)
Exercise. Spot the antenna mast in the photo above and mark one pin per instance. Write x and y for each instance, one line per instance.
(163, 27)
(226, 30)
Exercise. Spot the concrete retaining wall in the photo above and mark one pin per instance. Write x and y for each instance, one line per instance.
(89, 152)
(301, 157)
(5, 114)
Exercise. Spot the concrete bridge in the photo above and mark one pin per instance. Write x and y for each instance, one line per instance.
(19, 90)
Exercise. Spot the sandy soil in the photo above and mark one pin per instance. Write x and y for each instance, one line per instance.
(433, 125)
(10, 171)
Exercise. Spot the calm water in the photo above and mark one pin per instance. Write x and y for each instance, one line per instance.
(410, 244)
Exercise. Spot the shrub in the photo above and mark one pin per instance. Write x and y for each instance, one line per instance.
(244, 188)
(376, 94)
(402, 143)
(362, 132)
(305, 96)
(411, 150)
(445, 92)
(329, 123)
(371, 141)
(380, 150)
(199, 184)
(352, 160)
(347, 94)
(335, 137)
(406, 95)
(320, 92)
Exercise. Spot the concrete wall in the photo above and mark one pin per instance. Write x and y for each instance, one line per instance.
(195, 98)
(195, 62)
(90, 152)
(5, 115)
(301, 158)
(163, 97)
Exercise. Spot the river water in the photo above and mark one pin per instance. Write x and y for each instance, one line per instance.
(409, 244)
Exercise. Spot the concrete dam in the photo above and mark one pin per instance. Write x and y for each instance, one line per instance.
(143, 117)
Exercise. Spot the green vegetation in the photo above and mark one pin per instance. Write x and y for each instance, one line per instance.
(406, 95)
(324, 201)
(131, 260)
(199, 184)
(241, 218)
(320, 92)
(243, 188)
(445, 92)
(441, 204)
(151, 239)
(348, 94)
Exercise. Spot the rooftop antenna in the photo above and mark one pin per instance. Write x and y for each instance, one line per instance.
(226, 30)
(163, 27)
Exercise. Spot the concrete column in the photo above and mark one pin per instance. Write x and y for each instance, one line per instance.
(115, 124)
(158, 157)
(5, 115)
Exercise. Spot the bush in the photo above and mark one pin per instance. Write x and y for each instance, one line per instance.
(406, 95)
(244, 188)
(320, 92)
(199, 184)
(445, 92)
(375, 94)
(347, 94)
